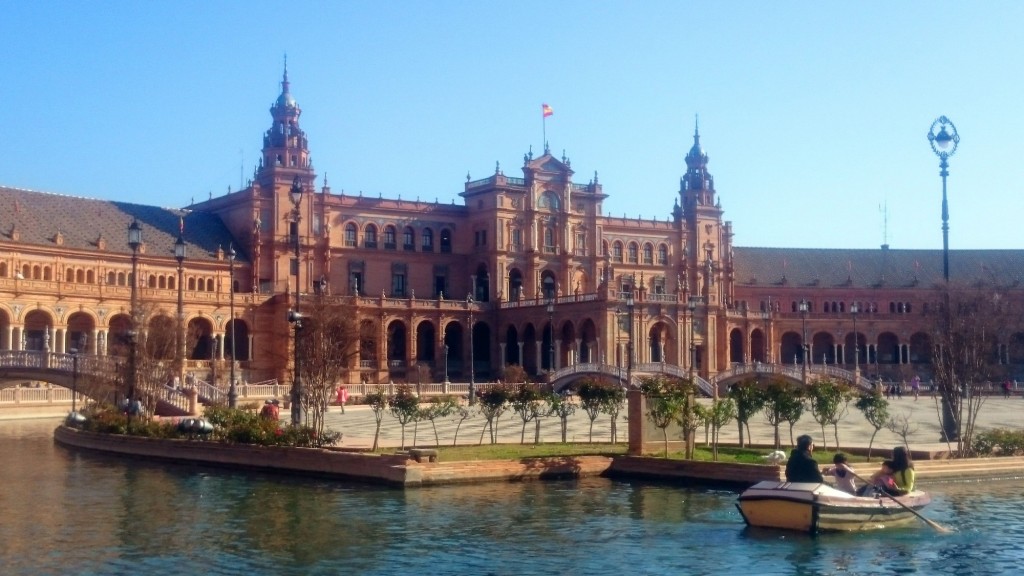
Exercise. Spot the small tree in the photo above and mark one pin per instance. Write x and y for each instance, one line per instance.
(378, 402)
(593, 399)
(405, 407)
(829, 402)
(749, 399)
(528, 402)
(462, 413)
(779, 406)
(901, 425)
(720, 413)
(614, 399)
(561, 405)
(876, 411)
(665, 399)
(493, 403)
(438, 407)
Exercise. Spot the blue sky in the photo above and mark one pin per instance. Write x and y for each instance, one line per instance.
(814, 115)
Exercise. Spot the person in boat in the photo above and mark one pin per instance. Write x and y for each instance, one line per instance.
(801, 466)
(843, 473)
(881, 482)
(902, 469)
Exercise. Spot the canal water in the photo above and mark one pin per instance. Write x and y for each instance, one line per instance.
(68, 512)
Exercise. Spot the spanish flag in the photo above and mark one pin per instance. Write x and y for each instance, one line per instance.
(546, 110)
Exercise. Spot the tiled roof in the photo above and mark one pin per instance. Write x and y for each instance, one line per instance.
(39, 216)
(867, 268)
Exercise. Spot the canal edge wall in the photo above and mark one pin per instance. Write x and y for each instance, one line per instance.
(403, 470)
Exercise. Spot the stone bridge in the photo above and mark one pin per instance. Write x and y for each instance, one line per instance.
(96, 374)
(797, 374)
(564, 377)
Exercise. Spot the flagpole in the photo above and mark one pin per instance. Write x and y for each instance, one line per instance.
(544, 129)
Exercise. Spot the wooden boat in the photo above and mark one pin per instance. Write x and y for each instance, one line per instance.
(813, 507)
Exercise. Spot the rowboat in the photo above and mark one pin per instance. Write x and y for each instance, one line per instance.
(813, 507)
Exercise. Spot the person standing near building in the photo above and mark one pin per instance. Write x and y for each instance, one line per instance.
(915, 386)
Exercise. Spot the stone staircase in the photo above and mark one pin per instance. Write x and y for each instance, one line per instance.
(929, 471)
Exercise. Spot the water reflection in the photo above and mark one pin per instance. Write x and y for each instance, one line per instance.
(103, 515)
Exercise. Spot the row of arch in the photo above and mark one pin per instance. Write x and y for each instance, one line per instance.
(204, 341)
(113, 278)
(389, 237)
(825, 348)
(634, 250)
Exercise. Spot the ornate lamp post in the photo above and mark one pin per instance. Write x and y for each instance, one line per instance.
(551, 332)
(232, 390)
(944, 143)
(180, 253)
(295, 316)
(630, 303)
(472, 367)
(134, 242)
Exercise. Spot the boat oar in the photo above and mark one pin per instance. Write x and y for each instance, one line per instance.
(927, 521)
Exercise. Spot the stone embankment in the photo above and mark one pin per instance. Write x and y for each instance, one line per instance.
(404, 469)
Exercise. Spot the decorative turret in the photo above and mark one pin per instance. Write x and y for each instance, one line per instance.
(285, 147)
(697, 187)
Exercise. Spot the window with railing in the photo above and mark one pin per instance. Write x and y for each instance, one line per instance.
(617, 252)
(648, 254)
(370, 236)
(408, 239)
(446, 241)
(633, 250)
(389, 238)
(350, 235)
(428, 240)
(662, 254)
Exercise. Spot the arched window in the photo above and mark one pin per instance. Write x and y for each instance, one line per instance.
(409, 239)
(90, 277)
(389, 237)
(446, 240)
(428, 240)
(662, 254)
(648, 254)
(370, 236)
(617, 252)
(633, 249)
(69, 275)
(350, 234)
(549, 239)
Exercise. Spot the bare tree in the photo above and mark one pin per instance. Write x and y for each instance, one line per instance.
(327, 343)
(969, 324)
(902, 426)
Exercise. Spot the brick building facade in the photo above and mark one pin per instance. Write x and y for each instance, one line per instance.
(546, 277)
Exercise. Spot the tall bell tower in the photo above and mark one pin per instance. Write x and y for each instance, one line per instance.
(285, 147)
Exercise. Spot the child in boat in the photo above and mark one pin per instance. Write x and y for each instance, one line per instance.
(882, 481)
(843, 473)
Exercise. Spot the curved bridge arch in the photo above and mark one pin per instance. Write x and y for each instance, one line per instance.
(562, 378)
(789, 373)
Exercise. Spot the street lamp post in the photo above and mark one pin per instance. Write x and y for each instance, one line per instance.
(551, 333)
(446, 364)
(74, 379)
(803, 307)
(692, 306)
(630, 303)
(180, 253)
(232, 390)
(854, 310)
(944, 143)
(134, 242)
(296, 317)
(472, 366)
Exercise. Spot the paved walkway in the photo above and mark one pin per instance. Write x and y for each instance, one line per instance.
(357, 425)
